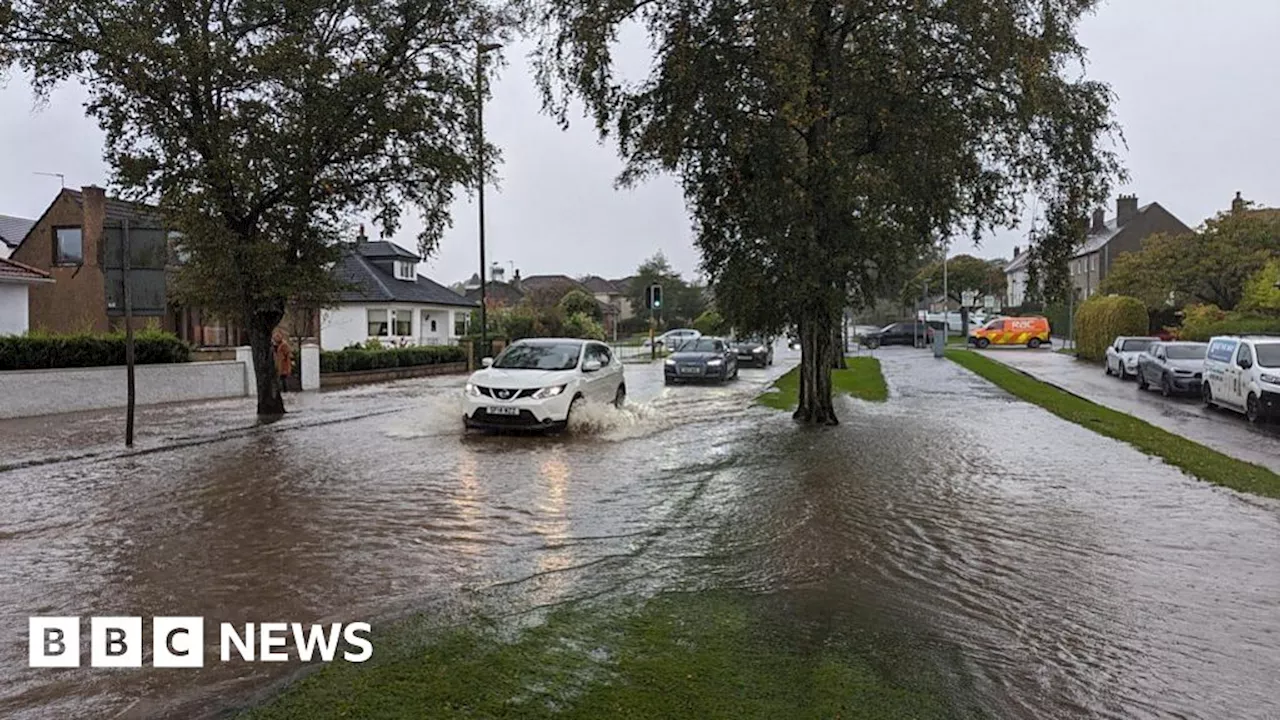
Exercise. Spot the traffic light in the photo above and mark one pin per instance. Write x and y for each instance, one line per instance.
(653, 297)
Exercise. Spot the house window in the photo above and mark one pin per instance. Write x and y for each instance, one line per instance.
(68, 246)
(402, 323)
(378, 323)
(1093, 262)
(461, 323)
(404, 270)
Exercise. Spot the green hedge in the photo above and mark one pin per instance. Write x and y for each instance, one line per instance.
(356, 360)
(1101, 319)
(1201, 330)
(39, 351)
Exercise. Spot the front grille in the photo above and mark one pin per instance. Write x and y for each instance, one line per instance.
(496, 393)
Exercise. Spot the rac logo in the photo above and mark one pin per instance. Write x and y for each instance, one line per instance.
(178, 642)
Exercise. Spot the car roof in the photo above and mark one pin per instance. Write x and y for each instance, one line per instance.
(551, 341)
(1182, 343)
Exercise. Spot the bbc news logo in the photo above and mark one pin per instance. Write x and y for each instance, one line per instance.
(178, 642)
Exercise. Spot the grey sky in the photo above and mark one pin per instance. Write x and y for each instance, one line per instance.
(1196, 83)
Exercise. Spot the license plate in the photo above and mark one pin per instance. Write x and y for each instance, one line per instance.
(690, 371)
(502, 410)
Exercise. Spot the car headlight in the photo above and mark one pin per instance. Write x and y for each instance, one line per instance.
(758, 351)
(548, 392)
(1273, 379)
(472, 389)
(669, 361)
(713, 363)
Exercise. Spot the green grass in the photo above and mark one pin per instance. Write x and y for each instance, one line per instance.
(681, 656)
(861, 378)
(1196, 459)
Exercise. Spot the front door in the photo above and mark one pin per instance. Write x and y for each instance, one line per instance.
(431, 327)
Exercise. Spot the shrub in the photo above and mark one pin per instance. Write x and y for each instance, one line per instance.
(1262, 291)
(577, 301)
(709, 323)
(581, 325)
(1100, 319)
(41, 351)
(357, 360)
(1202, 322)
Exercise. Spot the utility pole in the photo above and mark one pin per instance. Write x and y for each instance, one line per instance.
(946, 299)
(128, 336)
(482, 48)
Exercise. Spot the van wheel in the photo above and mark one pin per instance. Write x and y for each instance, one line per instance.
(1207, 394)
(1033, 343)
(1252, 411)
(983, 343)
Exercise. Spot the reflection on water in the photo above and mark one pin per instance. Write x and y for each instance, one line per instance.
(1073, 577)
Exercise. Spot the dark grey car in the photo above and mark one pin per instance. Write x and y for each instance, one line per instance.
(755, 352)
(1174, 367)
(702, 359)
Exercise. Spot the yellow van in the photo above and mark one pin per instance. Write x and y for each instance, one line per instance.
(1030, 331)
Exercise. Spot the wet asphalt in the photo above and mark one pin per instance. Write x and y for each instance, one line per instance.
(1046, 571)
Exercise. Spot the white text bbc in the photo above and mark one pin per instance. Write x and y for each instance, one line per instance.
(178, 642)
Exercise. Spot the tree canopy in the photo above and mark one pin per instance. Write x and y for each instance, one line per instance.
(965, 273)
(682, 302)
(261, 126)
(822, 144)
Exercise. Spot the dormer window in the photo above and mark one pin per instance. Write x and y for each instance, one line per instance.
(405, 270)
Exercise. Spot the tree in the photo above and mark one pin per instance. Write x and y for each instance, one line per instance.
(259, 127)
(1209, 266)
(824, 143)
(582, 325)
(577, 301)
(710, 323)
(1262, 291)
(964, 273)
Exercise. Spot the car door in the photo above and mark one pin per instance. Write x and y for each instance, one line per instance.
(1151, 363)
(1113, 356)
(596, 381)
(1239, 374)
(611, 368)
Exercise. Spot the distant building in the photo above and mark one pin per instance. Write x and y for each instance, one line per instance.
(612, 292)
(385, 299)
(1108, 239)
(1017, 275)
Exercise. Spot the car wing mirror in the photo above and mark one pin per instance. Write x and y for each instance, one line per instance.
(1246, 363)
(591, 366)
(486, 362)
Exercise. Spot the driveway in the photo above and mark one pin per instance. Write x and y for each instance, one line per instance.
(1224, 431)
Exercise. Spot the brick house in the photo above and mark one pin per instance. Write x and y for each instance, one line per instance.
(76, 241)
(1108, 239)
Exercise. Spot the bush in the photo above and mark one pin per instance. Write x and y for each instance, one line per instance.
(40, 351)
(357, 360)
(1100, 319)
(581, 325)
(709, 323)
(577, 301)
(1202, 322)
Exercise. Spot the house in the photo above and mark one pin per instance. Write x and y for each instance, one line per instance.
(1017, 274)
(611, 292)
(385, 299)
(497, 293)
(12, 230)
(561, 285)
(1108, 239)
(16, 280)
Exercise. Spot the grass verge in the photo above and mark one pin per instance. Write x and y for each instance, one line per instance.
(684, 656)
(1192, 457)
(861, 378)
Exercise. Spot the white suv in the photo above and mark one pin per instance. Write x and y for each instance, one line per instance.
(1242, 372)
(537, 384)
(1122, 355)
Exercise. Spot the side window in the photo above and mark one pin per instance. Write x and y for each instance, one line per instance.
(719, 347)
(1244, 354)
(997, 325)
(606, 357)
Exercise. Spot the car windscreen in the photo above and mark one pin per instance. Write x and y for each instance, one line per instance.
(1186, 352)
(539, 356)
(1135, 345)
(701, 345)
(1268, 354)
(749, 342)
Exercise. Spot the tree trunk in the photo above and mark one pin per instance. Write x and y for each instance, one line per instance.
(837, 349)
(964, 322)
(270, 399)
(816, 405)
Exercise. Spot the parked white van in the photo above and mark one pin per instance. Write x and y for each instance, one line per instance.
(1242, 372)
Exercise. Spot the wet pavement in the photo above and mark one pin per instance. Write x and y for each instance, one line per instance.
(1227, 432)
(1046, 571)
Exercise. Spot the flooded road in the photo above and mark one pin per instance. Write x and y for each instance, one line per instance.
(1047, 571)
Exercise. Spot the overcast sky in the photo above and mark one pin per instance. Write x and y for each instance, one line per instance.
(1197, 82)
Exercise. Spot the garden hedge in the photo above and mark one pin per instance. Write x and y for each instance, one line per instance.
(39, 351)
(1100, 319)
(1202, 322)
(355, 360)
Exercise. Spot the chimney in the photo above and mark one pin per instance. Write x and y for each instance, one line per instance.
(1099, 221)
(497, 273)
(94, 215)
(1015, 252)
(515, 279)
(1237, 205)
(1126, 208)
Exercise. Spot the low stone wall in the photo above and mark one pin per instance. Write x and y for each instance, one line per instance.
(387, 374)
(213, 354)
(24, 393)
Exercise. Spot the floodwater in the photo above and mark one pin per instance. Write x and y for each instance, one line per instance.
(1047, 571)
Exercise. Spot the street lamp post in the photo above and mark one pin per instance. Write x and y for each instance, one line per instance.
(482, 48)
